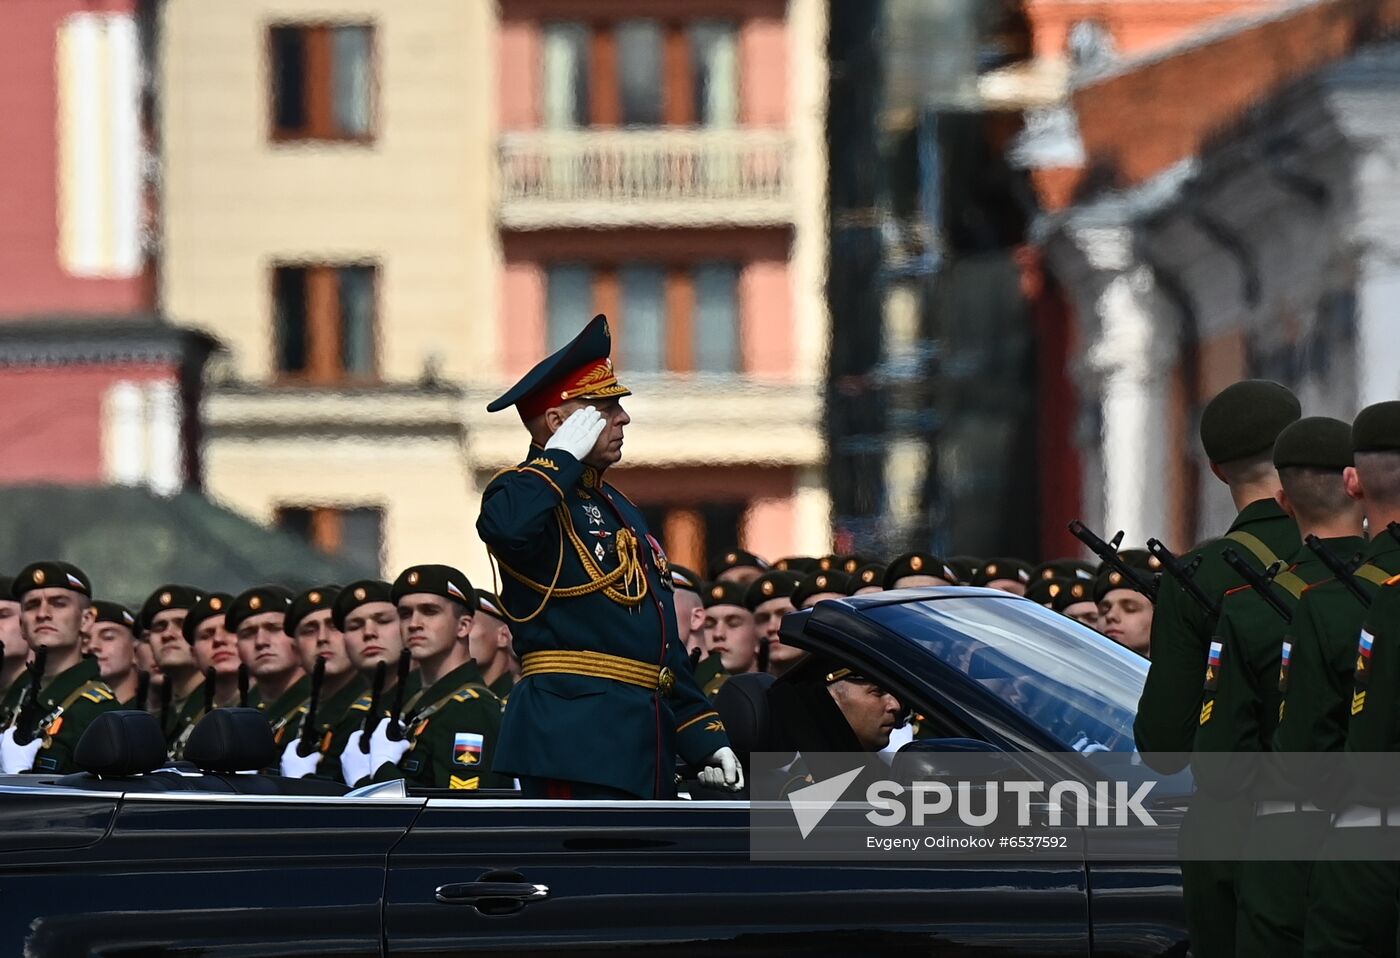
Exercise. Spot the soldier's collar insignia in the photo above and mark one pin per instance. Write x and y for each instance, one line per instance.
(590, 477)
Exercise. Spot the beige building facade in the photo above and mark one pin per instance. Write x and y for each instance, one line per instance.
(362, 201)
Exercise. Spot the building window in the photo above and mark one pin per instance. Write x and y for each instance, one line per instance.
(322, 81)
(677, 319)
(355, 536)
(324, 321)
(640, 73)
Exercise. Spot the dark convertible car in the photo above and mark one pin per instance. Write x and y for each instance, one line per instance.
(122, 861)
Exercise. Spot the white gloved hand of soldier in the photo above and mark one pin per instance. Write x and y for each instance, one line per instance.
(354, 761)
(16, 758)
(295, 765)
(723, 771)
(578, 433)
(383, 749)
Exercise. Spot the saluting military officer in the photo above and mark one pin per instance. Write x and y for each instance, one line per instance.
(1243, 692)
(589, 592)
(55, 610)
(1351, 904)
(112, 644)
(310, 620)
(1238, 430)
(14, 651)
(162, 620)
(451, 727)
(258, 617)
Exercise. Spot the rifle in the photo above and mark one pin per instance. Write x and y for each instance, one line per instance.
(762, 654)
(381, 672)
(242, 686)
(167, 691)
(209, 690)
(405, 664)
(1108, 554)
(694, 659)
(28, 713)
(1184, 574)
(307, 745)
(143, 689)
(1342, 570)
(1263, 584)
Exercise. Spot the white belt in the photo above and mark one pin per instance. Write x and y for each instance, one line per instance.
(1279, 808)
(1366, 816)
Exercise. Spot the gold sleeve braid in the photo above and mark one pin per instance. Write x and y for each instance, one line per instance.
(630, 572)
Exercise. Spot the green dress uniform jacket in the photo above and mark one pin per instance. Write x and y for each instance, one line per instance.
(69, 704)
(606, 697)
(181, 714)
(1169, 710)
(502, 687)
(454, 729)
(337, 714)
(1239, 712)
(285, 714)
(353, 723)
(710, 674)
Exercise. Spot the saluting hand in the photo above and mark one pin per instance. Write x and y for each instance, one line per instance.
(578, 433)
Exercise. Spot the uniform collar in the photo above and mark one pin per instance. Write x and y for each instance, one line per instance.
(1383, 544)
(294, 696)
(462, 675)
(1343, 547)
(1259, 510)
(66, 681)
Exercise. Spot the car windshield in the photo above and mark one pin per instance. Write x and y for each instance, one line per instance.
(1078, 685)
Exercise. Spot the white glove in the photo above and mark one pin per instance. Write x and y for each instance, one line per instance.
(16, 758)
(384, 749)
(722, 770)
(354, 763)
(295, 765)
(578, 433)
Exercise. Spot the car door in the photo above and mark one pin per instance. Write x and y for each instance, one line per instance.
(184, 873)
(475, 876)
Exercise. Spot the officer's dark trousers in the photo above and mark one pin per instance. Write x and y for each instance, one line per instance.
(1273, 895)
(1351, 901)
(1208, 887)
(578, 791)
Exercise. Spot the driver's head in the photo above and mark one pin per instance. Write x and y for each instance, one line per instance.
(871, 711)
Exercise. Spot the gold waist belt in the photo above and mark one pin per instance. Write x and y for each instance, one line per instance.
(599, 665)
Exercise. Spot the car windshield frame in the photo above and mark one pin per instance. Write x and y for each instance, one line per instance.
(1077, 685)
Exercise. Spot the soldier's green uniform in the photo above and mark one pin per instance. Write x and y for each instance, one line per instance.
(502, 686)
(710, 674)
(1238, 425)
(9, 702)
(589, 593)
(453, 727)
(336, 718)
(1352, 901)
(286, 712)
(353, 723)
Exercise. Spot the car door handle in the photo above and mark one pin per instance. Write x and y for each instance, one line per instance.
(497, 892)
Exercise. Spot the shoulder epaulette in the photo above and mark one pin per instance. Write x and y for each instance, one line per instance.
(97, 693)
(361, 704)
(466, 695)
(473, 691)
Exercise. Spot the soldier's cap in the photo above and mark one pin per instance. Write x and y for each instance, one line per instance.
(1377, 428)
(113, 612)
(1039, 590)
(440, 580)
(358, 593)
(723, 592)
(964, 567)
(918, 563)
(769, 586)
(1245, 418)
(802, 564)
(169, 596)
(1070, 593)
(308, 601)
(815, 583)
(490, 603)
(994, 570)
(1314, 442)
(687, 579)
(1108, 580)
(1140, 559)
(869, 575)
(6, 585)
(736, 559)
(256, 601)
(850, 564)
(1064, 569)
(211, 605)
(50, 574)
(579, 370)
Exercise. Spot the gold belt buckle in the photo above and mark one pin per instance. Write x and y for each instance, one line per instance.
(666, 681)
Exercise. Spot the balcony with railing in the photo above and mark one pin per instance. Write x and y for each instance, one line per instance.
(663, 177)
